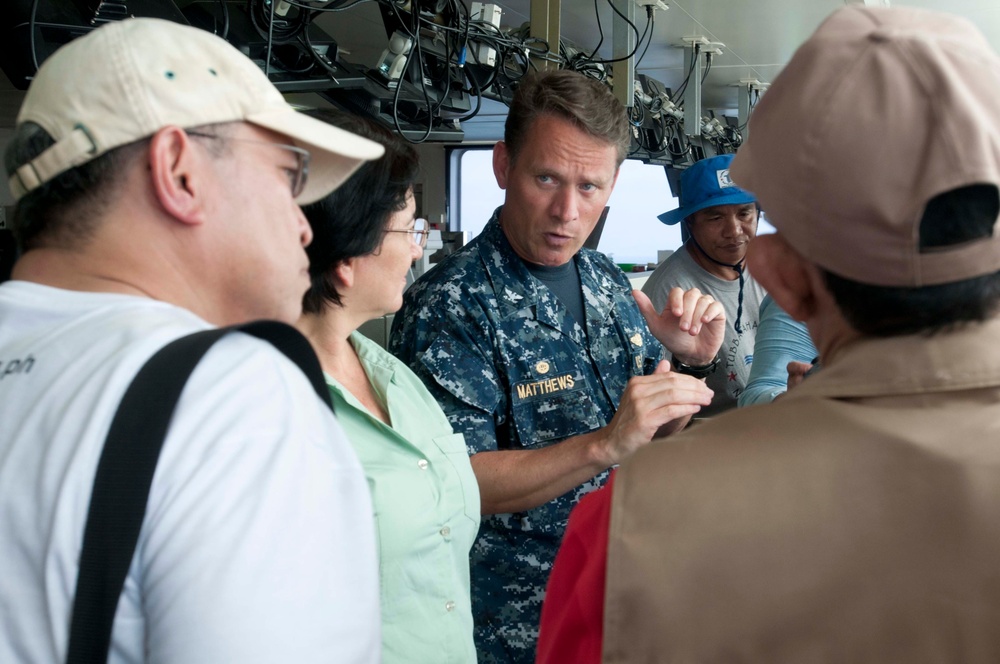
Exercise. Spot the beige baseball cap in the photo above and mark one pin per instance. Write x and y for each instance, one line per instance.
(127, 80)
(877, 113)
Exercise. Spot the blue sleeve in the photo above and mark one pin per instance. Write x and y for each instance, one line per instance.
(439, 336)
(780, 340)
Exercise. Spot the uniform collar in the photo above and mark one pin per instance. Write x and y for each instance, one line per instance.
(966, 358)
(515, 289)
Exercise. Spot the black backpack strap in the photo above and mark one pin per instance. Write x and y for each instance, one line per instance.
(125, 473)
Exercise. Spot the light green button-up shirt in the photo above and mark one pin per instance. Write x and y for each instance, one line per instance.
(427, 508)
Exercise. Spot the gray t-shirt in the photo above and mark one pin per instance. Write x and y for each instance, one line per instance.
(564, 281)
(733, 372)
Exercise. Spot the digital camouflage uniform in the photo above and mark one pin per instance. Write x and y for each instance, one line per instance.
(512, 369)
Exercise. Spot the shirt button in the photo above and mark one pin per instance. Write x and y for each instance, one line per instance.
(445, 531)
(422, 464)
(449, 606)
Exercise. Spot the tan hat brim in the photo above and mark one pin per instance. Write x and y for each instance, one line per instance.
(335, 153)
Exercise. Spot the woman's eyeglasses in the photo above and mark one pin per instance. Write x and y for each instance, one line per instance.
(418, 234)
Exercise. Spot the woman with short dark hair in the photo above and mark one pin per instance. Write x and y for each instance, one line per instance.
(424, 493)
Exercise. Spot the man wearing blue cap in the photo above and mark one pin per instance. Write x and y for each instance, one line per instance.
(720, 220)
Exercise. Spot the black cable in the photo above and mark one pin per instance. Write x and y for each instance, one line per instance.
(460, 33)
(543, 53)
(402, 22)
(497, 37)
(317, 58)
(654, 125)
(31, 33)
(479, 98)
(492, 73)
(452, 51)
(600, 30)
(460, 7)
(519, 60)
(751, 104)
(661, 143)
(649, 10)
(399, 87)
(465, 59)
(734, 137)
(340, 7)
(515, 59)
(637, 105)
(316, 11)
(225, 19)
(270, 41)
(674, 130)
(656, 131)
(273, 33)
(414, 17)
(708, 67)
(635, 30)
(431, 108)
(679, 95)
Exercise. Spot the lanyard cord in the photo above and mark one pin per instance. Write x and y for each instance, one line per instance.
(738, 267)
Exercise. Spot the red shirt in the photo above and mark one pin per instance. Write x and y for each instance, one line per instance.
(572, 624)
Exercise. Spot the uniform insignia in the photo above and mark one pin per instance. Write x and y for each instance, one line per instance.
(638, 361)
(511, 295)
(636, 339)
(542, 367)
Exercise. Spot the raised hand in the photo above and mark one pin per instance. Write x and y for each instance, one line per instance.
(692, 325)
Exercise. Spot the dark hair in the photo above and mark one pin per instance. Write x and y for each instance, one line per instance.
(352, 220)
(584, 101)
(952, 218)
(63, 211)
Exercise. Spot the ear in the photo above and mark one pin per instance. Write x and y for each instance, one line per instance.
(783, 272)
(343, 274)
(177, 170)
(501, 163)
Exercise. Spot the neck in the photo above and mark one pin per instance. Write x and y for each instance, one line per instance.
(330, 335)
(830, 331)
(832, 336)
(727, 271)
(145, 273)
(73, 271)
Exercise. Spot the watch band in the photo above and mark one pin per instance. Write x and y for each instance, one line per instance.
(698, 371)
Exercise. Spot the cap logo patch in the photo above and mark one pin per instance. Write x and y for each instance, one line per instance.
(724, 180)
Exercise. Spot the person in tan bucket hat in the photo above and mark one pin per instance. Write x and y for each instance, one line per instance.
(857, 518)
(158, 175)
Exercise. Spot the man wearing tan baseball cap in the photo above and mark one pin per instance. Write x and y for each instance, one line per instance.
(857, 519)
(158, 175)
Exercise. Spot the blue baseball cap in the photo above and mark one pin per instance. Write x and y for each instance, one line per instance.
(707, 184)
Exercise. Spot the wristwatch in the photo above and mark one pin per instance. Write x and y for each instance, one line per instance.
(698, 371)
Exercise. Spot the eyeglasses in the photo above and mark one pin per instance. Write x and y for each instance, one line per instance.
(418, 234)
(297, 177)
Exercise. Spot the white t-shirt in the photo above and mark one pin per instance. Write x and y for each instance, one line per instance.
(257, 544)
(733, 371)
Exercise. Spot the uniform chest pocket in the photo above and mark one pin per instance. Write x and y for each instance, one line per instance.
(560, 414)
